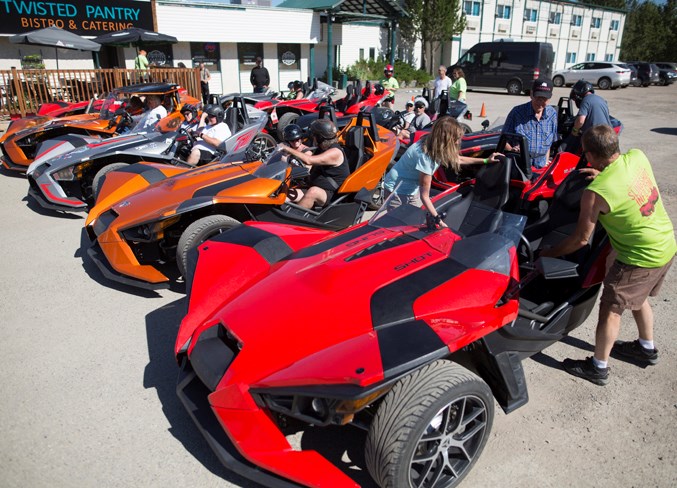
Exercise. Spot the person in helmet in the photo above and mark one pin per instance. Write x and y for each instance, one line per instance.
(154, 112)
(389, 81)
(189, 113)
(293, 137)
(329, 165)
(211, 132)
(592, 110)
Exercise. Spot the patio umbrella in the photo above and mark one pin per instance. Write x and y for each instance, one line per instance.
(135, 37)
(57, 38)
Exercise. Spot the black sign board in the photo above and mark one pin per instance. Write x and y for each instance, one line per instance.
(83, 17)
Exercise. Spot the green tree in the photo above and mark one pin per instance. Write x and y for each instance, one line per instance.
(649, 33)
(433, 22)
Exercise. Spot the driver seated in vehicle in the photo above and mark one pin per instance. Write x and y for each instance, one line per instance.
(293, 137)
(154, 112)
(212, 131)
(295, 90)
(189, 113)
(418, 122)
(329, 165)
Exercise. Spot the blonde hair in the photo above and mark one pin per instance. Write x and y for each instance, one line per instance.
(442, 145)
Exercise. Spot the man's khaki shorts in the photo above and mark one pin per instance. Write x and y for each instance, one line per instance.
(626, 287)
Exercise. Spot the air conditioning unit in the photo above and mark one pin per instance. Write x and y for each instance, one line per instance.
(502, 28)
(594, 35)
(575, 33)
(472, 25)
(612, 36)
(553, 32)
(529, 29)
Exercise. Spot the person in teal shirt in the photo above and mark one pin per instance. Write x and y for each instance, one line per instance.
(624, 197)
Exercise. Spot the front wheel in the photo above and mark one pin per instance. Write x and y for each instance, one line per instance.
(558, 81)
(604, 84)
(514, 87)
(430, 428)
(287, 119)
(99, 177)
(466, 128)
(198, 232)
(260, 147)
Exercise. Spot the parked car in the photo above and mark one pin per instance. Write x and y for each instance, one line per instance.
(604, 75)
(668, 73)
(634, 81)
(506, 64)
(646, 72)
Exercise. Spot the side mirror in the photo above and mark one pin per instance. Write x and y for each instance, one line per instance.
(485, 124)
(555, 269)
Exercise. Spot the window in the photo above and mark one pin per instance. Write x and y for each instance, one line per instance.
(590, 57)
(289, 56)
(530, 14)
(614, 25)
(208, 53)
(372, 53)
(471, 8)
(608, 57)
(571, 58)
(247, 52)
(576, 20)
(596, 22)
(503, 11)
(555, 17)
(361, 54)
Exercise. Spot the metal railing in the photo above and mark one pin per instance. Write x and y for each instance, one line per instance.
(23, 91)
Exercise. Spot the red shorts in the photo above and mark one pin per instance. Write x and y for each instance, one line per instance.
(626, 287)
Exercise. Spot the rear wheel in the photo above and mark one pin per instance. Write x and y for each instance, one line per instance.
(284, 121)
(514, 87)
(604, 83)
(100, 176)
(558, 81)
(198, 232)
(261, 147)
(430, 428)
(466, 128)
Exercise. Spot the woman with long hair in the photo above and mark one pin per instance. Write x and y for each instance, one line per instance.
(413, 172)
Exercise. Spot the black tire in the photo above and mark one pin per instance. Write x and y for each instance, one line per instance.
(260, 147)
(466, 128)
(663, 81)
(378, 196)
(99, 177)
(558, 81)
(604, 83)
(514, 87)
(284, 121)
(417, 406)
(198, 232)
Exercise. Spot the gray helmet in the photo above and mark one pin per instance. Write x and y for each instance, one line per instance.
(323, 129)
(215, 111)
(292, 132)
(579, 90)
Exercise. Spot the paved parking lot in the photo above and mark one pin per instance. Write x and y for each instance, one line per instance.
(88, 385)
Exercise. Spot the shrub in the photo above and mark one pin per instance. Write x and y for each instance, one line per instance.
(373, 70)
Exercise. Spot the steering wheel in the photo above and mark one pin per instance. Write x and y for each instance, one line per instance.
(190, 136)
(524, 244)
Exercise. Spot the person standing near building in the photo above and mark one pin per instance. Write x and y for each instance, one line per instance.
(389, 82)
(536, 121)
(459, 86)
(141, 64)
(442, 82)
(260, 78)
(624, 197)
(205, 78)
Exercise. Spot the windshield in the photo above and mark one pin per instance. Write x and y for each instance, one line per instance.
(320, 92)
(486, 234)
(275, 167)
(110, 104)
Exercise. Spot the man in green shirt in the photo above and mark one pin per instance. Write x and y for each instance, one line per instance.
(389, 82)
(624, 197)
(141, 64)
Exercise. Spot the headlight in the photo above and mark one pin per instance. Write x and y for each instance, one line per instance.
(149, 232)
(65, 174)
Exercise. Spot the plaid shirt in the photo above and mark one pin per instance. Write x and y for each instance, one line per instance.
(540, 134)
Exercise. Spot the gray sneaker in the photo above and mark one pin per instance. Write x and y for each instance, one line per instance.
(586, 369)
(634, 350)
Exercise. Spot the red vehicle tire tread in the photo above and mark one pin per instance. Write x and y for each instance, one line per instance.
(198, 232)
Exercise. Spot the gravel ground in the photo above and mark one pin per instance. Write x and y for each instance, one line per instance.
(88, 391)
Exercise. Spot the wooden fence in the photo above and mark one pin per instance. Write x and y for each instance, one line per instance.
(23, 91)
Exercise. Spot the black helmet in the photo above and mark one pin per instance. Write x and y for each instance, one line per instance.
(215, 111)
(579, 90)
(290, 85)
(298, 85)
(292, 132)
(379, 89)
(189, 108)
(323, 129)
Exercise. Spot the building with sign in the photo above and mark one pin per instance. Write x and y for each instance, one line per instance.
(296, 42)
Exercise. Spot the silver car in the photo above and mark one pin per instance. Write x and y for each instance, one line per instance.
(604, 75)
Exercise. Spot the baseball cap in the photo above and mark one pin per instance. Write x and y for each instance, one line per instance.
(542, 87)
(409, 103)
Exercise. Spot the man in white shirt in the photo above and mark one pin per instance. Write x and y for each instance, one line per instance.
(442, 82)
(154, 112)
(212, 131)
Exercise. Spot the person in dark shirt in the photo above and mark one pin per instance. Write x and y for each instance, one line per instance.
(329, 165)
(260, 78)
